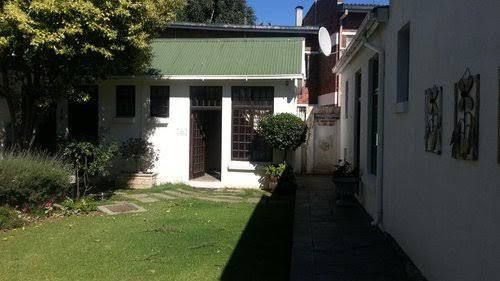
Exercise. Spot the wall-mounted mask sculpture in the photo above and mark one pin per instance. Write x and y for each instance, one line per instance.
(433, 119)
(465, 138)
(498, 124)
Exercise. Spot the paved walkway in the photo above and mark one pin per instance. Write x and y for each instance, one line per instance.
(338, 243)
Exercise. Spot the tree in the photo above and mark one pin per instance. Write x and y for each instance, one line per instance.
(218, 11)
(285, 131)
(48, 47)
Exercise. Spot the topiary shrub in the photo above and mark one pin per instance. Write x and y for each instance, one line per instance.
(284, 131)
(31, 179)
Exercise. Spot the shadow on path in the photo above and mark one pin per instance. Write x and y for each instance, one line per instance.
(264, 249)
(338, 243)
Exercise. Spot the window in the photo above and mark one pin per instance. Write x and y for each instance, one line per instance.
(250, 104)
(125, 101)
(346, 100)
(159, 101)
(403, 65)
(373, 120)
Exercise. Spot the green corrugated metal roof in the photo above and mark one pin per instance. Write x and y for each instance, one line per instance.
(228, 57)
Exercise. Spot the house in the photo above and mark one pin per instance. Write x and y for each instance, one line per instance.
(201, 105)
(420, 118)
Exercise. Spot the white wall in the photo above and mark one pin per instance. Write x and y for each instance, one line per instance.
(444, 212)
(171, 136)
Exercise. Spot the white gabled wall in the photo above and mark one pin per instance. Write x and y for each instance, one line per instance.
(171, 136)
(444, 212)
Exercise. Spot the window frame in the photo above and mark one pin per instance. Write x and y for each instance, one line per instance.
(157, 113)
(373, 110)
(253, 107)
(403, 68)
(120, 94)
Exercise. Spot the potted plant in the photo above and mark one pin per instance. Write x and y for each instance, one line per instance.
(284, 132)
(143, 157)
(273, 175)
(346, 179)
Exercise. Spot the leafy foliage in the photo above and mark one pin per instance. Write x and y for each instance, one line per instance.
(31, 179)
(345, 169)
(141, 152)
(80, 206)
(283, 131)
(275, 171)
(218, 11)
(9, 218)
(48, 47)
(89, 160)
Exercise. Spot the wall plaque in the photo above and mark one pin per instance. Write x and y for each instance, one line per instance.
(465, 137)
(433, 119)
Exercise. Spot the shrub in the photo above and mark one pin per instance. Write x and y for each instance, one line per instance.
(80, 206)
(141, 152)
(275, 171)
(283, 131)
(89, 161)
(345, 169)
(30, 179)
(9, 219)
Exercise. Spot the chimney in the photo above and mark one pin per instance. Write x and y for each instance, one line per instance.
(299, 15)
(340, 2)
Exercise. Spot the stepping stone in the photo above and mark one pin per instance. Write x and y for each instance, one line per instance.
(136, 196)
(193, 193)
(121, 208)
(253, 200)
(214, 199)
(163, 196)
(230, 197)
(147, 199)
(176, 194)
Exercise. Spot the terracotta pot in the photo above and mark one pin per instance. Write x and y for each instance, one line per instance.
(272, 184)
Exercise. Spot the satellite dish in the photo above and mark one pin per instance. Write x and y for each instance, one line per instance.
(325, 41)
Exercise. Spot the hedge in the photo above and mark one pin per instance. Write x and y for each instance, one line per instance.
(32, 179)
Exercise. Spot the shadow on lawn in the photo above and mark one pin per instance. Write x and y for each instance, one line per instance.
(264, 249)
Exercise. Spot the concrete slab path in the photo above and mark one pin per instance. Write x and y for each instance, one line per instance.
(338, 243)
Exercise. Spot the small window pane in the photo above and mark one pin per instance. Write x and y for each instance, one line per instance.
(159, 101)
(250, 104)
(125, 101)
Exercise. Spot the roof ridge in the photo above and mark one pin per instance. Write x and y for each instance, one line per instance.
(254, 39)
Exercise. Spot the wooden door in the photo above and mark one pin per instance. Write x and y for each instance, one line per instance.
(197, 146)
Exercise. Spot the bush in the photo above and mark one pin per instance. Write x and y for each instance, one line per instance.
(141, 152)
(80, 206)
(89, 161)
(9, 219)
(283, 131)
(31, 179)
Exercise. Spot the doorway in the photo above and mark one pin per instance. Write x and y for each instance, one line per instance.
(83, 116)
(205, 133)
(357, 135)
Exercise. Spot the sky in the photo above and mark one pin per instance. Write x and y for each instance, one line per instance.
(282, 12)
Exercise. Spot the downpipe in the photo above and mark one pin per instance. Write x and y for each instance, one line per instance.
(380, 135)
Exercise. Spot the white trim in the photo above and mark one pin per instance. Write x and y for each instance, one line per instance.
(349, 33)
(215, 77)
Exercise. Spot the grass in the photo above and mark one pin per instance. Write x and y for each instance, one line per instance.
(182, 239)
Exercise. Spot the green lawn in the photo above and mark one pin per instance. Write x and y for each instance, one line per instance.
(181, 239)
